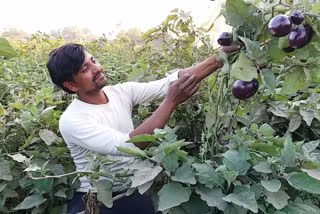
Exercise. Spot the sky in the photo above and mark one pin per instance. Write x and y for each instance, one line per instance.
(100, 16)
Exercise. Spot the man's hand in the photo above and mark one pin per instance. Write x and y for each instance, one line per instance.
(182, 89)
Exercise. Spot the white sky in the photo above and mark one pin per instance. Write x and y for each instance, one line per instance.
(101, 16)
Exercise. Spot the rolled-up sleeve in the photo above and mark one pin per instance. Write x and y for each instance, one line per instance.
(85, 132)
(146, 92)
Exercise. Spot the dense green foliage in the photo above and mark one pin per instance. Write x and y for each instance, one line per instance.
(217, 155)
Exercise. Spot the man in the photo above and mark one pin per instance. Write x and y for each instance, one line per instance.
(99, 119)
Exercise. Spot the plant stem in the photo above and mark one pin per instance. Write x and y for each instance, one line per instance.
(311, 14)
(57, 176)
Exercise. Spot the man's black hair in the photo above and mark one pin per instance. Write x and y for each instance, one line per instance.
(64, 62)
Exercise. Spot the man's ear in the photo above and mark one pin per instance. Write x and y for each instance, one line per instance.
(71, 86)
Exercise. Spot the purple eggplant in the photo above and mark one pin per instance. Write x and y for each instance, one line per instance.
(225, 39)
(297, 17)
(298, 37)
(279, 26)
(245, 89)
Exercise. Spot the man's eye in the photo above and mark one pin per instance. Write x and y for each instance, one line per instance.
(94, 60)
(85, 69)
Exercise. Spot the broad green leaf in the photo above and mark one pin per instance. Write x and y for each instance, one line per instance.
(298, 208)
(310, 146)
(145, 187)
(132, 151)
(307, 115)
(19, 106)
(314, 173)
(6, 50)
(172, 194)
(42, 186)
(30, 201)
(184, 174)
(19, 158)
(294, 81)
(233, 160)
(266, 130)
(3, 185)
(5, 170)
(47, 136)
(280, 109)
(302, 181)
(104, 188)
(244, 198)
(213, 197)
(236, 11)
(142, 138)
(1, 110)
(170, 162)
(144, 175)
(254, 51)
(222, 57)
(295, 122)
(264, 167)
(171, 147)
(243, 69)
(272, 185)
(207, 175)
(268, 79)
(274, 52)
(288, 153)
(195, 205)
(278, 199)
(316, 8)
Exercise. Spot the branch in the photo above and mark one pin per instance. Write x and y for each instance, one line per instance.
(311, 14)
(56, 176)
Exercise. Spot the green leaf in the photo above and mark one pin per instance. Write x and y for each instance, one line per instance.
(272, 185)
(295, 122)
(294, 81)
(288, 153)
(310, 146)
(195, 205)
(244, 198)
(314, 173)
(254, 51)
(184, 174)
(302, 209)
(302, 181)
(171, 147)
(307, 115)
(5, 170)
(3, 185)
(132, 151)
(47, 136)
(172, 194)
(269, 79)
(104, 188)
(144, 175)
(266, 130)
(233, 160)
(274, 52)
(19, 158)
(142, 138)
(243, 69)
(207, 175)
(1, 110)
(278, 199)
(263, 167)
(236, 12)
(19, 106)
(316, 8)
(213, 197)
(170, 162)
(30, 201)
(42, 186)
(5, 49)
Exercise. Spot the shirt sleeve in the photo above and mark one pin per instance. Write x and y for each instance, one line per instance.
(85, 132)
(146, 92)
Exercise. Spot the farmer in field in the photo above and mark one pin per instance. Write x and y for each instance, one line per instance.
(100, 118)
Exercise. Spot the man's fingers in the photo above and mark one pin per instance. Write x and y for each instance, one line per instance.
(185, 81)
(195, 89)
(230, 48)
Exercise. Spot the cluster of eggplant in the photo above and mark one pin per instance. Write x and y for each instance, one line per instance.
(242, 90)
(300, 33)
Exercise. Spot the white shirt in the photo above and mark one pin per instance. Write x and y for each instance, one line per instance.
(100, 129)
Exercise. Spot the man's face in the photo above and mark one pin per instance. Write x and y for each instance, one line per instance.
(90, 78)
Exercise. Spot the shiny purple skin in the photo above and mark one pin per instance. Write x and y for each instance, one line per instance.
(279, 26)
(298, 37)
(309, 32)
(245, 89)
(297, 17)
(225, 39)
